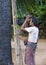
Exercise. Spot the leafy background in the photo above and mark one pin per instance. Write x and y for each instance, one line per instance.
(36, 7)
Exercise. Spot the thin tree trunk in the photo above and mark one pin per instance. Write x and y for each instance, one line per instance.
(16, 35)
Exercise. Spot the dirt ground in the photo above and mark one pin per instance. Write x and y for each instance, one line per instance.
(40, 56)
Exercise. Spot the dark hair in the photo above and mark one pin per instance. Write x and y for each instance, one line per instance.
(35, 20)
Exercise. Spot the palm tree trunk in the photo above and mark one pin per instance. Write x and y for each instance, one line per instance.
(5, 32)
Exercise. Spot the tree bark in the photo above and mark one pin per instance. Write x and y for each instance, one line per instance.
(16, 35)
(5, 32)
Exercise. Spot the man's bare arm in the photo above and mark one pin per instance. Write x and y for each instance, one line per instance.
(25, 22)
(24, 25)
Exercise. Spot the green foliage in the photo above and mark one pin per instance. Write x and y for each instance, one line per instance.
(36, 7)
(31, 6)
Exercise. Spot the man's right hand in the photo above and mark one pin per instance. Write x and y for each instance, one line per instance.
(27, 18)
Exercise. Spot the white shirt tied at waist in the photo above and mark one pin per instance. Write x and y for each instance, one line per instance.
(33, 33)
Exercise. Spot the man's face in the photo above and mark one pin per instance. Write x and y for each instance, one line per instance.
(31, 23)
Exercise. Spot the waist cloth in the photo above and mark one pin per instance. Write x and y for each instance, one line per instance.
(31, 44)
(30, 53)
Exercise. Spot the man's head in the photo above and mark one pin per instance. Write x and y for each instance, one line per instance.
(33, 21)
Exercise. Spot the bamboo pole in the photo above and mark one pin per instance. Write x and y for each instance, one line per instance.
(18, 53)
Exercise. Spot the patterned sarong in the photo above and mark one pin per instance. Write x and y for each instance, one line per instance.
(30, 53)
